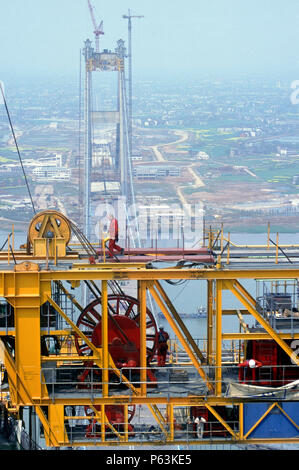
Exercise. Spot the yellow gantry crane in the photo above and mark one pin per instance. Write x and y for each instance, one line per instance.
(87, 369)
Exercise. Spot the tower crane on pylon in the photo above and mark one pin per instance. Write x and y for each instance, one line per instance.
(98, 30)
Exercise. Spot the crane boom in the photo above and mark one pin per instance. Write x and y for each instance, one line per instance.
(98, 30)
(92, 14)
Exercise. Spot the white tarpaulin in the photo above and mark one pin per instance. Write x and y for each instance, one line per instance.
(289, 391)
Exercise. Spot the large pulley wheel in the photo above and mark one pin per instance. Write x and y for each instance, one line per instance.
(123, 330)
(52, 223)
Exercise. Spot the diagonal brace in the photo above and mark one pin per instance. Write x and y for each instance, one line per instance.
(180, 336)
(238, 290)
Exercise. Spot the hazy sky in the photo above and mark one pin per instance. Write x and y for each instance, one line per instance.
(176, 38)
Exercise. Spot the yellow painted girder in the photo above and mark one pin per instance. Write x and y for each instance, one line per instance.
(221, 420)
(171, 273)
(22, 395)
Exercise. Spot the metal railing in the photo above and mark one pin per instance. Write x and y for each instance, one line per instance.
(278, 303)
(170, 380)
(185, 432)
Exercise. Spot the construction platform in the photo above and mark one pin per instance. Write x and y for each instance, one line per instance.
(82, 353)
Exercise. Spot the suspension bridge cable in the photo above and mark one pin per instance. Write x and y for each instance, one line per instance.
(17, 147)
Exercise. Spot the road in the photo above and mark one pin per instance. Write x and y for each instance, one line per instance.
(155, 148)
(160, 158)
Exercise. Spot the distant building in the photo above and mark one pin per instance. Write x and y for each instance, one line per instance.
(51, 173)
(156, 172)
(136, 157)
(203, 156)
(150, 123)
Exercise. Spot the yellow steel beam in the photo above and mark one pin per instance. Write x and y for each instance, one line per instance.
(218, 371)
(27, 330)
(56, 423)
(142, 325)
(7, 278)
(126, 419)
(21, 394)
(103, 433)
(117, 273)
(235, 312)
(181, 337)
(260, 335)
(221, 420)
(104, 324)
(158, 417)
(97, 351)
(70, 358)
(242, 322)
(210, 288)
(170, 422)
(241, 421)
(190, 400)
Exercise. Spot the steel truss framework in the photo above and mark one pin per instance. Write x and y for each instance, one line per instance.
(26, 290)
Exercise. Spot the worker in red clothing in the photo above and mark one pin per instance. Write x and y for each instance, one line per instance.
(113, 236)
(163, 337)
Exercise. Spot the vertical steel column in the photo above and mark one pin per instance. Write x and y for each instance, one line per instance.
(142, 300)
(241, 421)
(218, 373)
(105, 352)
(103, 422)
(170, 421)
(26, 305)
(210, 322)
(56, 421)
(126, 424)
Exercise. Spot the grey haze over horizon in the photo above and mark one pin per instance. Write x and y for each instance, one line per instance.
(174, 40)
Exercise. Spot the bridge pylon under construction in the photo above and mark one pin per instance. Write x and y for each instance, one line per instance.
(119, 164)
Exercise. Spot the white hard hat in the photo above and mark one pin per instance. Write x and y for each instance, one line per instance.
(252, 363)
